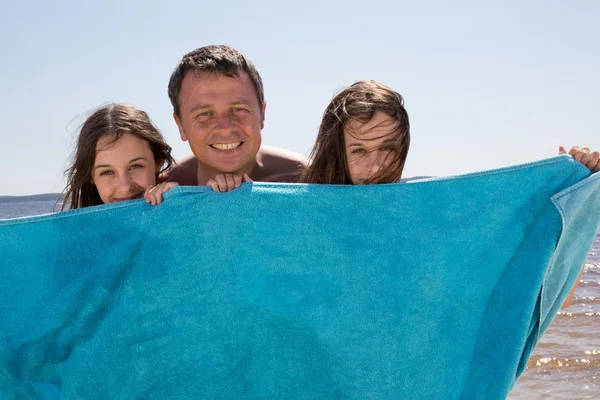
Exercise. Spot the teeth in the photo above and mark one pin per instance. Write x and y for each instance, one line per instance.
(226, 146)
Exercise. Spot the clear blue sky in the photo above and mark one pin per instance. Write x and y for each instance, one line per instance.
(485, 85)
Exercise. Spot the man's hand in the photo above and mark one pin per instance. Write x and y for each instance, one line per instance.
(227, 182)
(583, 154)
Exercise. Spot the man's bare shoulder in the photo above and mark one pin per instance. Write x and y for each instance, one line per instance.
(285, 157)
(278, 165)
(184, 172)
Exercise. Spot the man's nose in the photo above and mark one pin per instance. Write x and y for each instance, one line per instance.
(224, 123)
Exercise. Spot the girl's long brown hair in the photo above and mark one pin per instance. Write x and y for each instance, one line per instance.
(358, 102)
(113, 119)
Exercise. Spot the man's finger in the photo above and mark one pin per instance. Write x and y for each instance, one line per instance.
(213, 184)
(237, 180)
(222, 183)
(229, 182)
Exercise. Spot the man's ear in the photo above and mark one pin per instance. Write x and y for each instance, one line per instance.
(180, 127)
(262, 120)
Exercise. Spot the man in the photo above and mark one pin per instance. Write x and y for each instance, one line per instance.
(219, 107)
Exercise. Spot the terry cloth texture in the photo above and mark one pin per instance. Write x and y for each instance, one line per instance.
(434, 289)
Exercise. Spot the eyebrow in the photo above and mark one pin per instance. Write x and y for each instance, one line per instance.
(129, 162)
(202, 106)
(199, 107)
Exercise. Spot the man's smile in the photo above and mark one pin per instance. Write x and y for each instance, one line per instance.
(226, 146)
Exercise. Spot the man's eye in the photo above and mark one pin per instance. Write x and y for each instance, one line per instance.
(204, 114)
(240, 110)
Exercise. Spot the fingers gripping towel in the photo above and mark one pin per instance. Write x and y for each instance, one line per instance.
(434, 289)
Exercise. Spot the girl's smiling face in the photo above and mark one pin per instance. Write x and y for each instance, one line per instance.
(123, 169)
(369, 147)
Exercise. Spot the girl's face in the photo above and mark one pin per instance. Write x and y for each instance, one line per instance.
(123, 169)
(370, 146)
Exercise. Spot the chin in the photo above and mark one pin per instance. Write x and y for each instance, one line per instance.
(231, 167)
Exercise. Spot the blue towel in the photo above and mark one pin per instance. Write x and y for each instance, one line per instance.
(434, 289)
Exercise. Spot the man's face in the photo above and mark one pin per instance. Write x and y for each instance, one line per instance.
(222, 120)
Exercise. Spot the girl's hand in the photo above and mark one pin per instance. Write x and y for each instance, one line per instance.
(227, 182)
(583, 154)
(154, 194)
